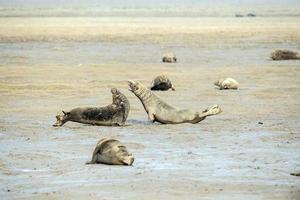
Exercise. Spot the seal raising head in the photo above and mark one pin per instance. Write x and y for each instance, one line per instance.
(160, 111)
(112, 152)
(114, 114)
(161, 82)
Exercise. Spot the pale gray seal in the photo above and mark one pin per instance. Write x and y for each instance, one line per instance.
(169, 58)
(112, 152)
(114, 114)
(162, 112)
(227, 83)
(161, 82)
(285, 55)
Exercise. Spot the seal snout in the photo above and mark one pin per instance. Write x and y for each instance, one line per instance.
(114, 90)
(131, 85)
(128, 160)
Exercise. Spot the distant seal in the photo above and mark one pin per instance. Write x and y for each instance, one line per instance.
(114, 114)
(169, 58)
(162, 112)
(251, 15)
(112, 152)
(239, 15)
(228, 83)
(285, 55)
(295, 174)
(161, 82)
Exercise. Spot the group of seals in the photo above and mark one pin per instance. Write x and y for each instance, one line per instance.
(112, 152)
(114, 114)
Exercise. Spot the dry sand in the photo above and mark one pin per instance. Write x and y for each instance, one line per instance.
(228, 156)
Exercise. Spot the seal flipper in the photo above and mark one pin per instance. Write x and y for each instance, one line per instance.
(151, 117)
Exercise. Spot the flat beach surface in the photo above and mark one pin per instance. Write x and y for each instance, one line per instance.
(247, 152)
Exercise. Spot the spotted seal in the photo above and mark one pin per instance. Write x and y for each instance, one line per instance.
(112, 152)
(162, 112)
(114, 114)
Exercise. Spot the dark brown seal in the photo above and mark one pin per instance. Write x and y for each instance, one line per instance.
(285, 55)
(112, 152)
(114, 114)
(295, 174)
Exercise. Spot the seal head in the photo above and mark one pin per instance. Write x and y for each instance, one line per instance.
(61, 118)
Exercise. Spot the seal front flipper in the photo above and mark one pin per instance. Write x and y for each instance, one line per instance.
(151, 116)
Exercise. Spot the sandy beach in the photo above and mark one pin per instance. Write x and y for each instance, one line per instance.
(53, 64)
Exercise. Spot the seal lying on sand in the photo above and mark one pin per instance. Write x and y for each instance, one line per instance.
(111, 115)
(161, 82)
(228, 83)
(112, 152)
(285, 55)
(295, 174)
(161, 112)
(169, 58)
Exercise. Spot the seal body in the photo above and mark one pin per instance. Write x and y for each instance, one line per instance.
(228, 83)
(160, 111)
(169, 58)
(285, 55)
(161, 82)
(112, 152)
(114, 114)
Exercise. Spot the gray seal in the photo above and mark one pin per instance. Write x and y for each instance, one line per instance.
(285, 55)
(162, 112)
(114, 114)
(161, 82)
(227, 83)
(111, 152)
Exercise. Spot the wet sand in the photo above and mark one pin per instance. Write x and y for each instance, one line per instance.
(228, 156)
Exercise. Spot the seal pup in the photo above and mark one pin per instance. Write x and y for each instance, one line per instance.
(162, 112)
(285, 55)
(112, 152)
(169, 58)
(114, 114)
(161, 82)
(228, 83)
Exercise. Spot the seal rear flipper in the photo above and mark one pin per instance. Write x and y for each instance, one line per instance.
(214, 110)
(89, 162)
